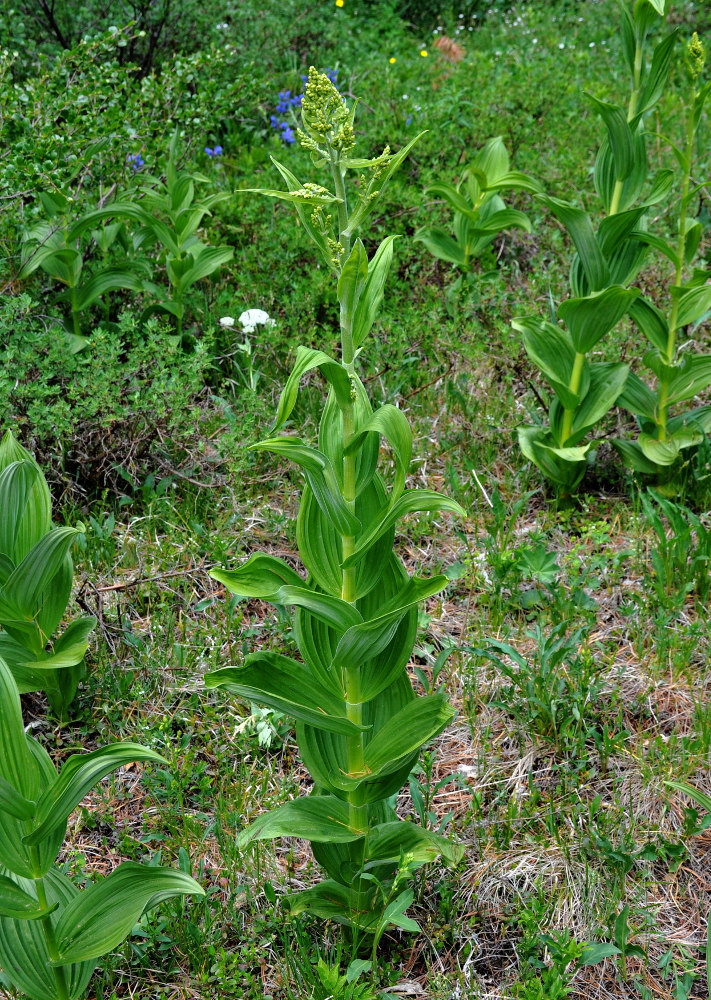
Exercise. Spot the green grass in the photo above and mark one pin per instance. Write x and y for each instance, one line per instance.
(562, 807)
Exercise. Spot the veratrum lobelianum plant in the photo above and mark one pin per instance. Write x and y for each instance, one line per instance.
(51, 933)
(359, 724)
(479, 211)
(664, 435)
(606, 262)
(36, 574)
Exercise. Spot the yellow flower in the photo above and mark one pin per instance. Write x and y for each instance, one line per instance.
(392, 59)
(423, 52)
(339, 3)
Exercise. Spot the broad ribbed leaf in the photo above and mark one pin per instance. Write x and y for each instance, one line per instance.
(288, 686)
(107, 281)
(24, 957)
(620, 135)
(19, 596)
(372, 295)
(330, 900)
(14, 754)
(351, 282)
(319, 818)
(205, 263)
(692, 376)
(388, 840)
(552, 351)
(261, 576)
(407, 731)
(333, 611)
(441, 245)
(322, 480)
(14, 854)
(638, 398)
(412, 501)
(392, 424)
(78, 776)
(13, 803)
(590, 318)
(18, 904)
(364, 641)
(659, 70)
(69, 649)
(504, 218)
(102, 916)
(633, 457)
(582, 234)
(693, 303)
(652, 322)
(659, 452)
(607, 381)
(306, 360)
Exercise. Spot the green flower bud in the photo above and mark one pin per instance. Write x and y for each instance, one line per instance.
(695, 57)
(325, 116)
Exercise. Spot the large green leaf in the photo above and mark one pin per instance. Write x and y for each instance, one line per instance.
(607, 381)
(18, 904)
(322, 480)
(363, 641)
(659, 70)
(319, 818)
(638, 398)
(306, 360)
(652, 322)
(14, 754)
(288, 686)
(78, 776)
(392, 424)
(441, 245)
(620, 135)
(102, 916)
(205, 263)
(692, 376)
(582, 234)
(368, 305)
(412, 501)
(692, 304)
(505, 218)
(413, 726)
(13, 803)
(24, 956)
(261, 576)
(551, 350)
(351, 283)
(25, 516)
(20, 595)
(588, 319)
(107, 281)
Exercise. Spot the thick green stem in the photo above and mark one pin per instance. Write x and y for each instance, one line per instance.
(59, 972)
(574, 386)
(663, 388)
(354, 706)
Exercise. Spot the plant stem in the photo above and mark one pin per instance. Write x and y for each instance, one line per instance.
(663, 388)
(358, 811)
(60, 976)
(574, 386)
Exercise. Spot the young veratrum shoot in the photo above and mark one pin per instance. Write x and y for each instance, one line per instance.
(51, 933)
(359, 724)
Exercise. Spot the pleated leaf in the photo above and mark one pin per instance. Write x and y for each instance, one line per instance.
(412, 501)
(322, 480)
(24, 957)
(307, 360)
(18, 904)
(261, 576)
(413, 726)
(590, 318)
(102, 916)
(582, 234)
(78, 776)
(392, 424)
(288, 686)
(319, 818)
(371, 296)
(13, 803)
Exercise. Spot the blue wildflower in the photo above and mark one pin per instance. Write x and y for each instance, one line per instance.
(136, 160)
(288, 135)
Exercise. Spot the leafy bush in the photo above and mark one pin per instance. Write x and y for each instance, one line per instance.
(93, 419)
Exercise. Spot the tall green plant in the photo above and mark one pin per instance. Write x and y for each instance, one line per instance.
(50, 932)
(663, 435)
(479, 210)
(359, 724)
(606, 261)
(36, 575)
